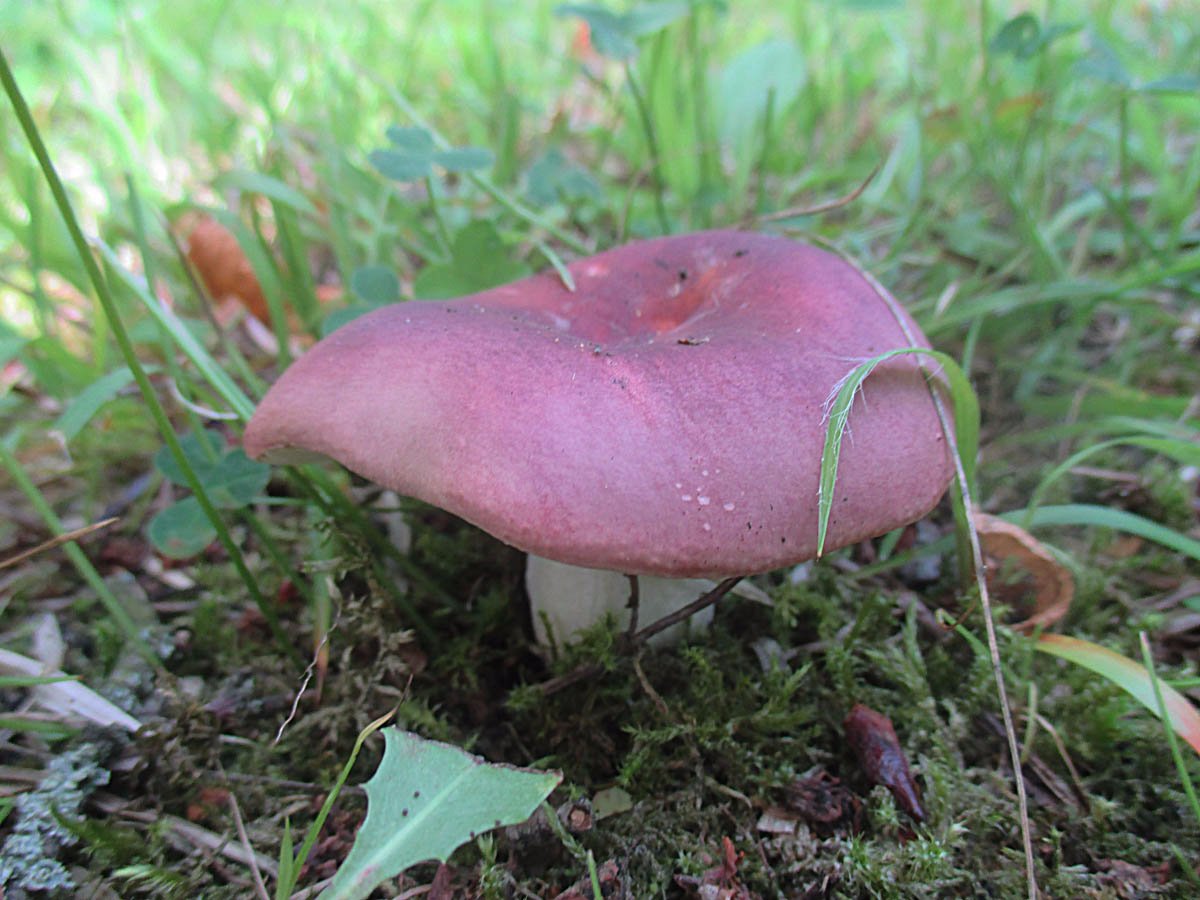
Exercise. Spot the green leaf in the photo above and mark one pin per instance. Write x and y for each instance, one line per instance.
(1129, 676)
(650, 18)
(747, 82)
(375, 285)
(236, 480)
(425, 800)
(202, 453)
(607, 29)
(1179, 449)
(212, 371)
(11, 343)
(1020, 37)
(401, 165)
(1103, 64)
(411, 139)
(479, 260)
(615, 34)
(1172, 84)
(287, 869)
(465, 159)
(90, 400)
(414, 154)
(1104, 517)
(181, 530)
(271, 188)
(344, 316)
(231, 478)
(554, 179)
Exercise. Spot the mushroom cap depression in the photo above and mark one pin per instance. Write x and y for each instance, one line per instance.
(665, 418)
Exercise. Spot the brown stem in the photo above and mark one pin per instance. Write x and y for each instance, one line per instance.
(633, 604)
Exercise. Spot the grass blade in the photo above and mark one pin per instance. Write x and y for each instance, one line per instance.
(1131, 677)
(966, 424)
(159, 414)
(1104, 517)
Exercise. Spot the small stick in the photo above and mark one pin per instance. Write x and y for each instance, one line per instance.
(57, 540)
(259, 885)
(632, 642)
(794, 212)
(686, 612)
(649, 688)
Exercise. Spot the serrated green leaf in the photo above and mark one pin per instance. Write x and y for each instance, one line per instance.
(181, 530)
(375, 285)
(425, 800)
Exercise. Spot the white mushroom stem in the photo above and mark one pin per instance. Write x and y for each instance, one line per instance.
(565, 600)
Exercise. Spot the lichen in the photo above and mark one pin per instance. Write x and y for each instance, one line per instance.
(29, 857)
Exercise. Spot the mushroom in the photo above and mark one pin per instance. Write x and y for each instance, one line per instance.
(665, 418)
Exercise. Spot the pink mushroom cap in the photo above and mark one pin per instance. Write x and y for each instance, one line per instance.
(665, 418)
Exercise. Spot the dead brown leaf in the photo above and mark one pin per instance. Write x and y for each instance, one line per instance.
(224, 268)
(873, 739)
(1009, 548)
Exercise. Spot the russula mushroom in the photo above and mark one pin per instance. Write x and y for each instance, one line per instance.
(665, 418)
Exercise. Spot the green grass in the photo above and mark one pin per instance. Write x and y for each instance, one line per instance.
(1034, 207)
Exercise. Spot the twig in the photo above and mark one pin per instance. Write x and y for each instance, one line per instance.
(259, 885)
(629, 645)
(649, 688)
(686, 612)
(185, 830)
(579, 673)
(794, 212)
(56, 541)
